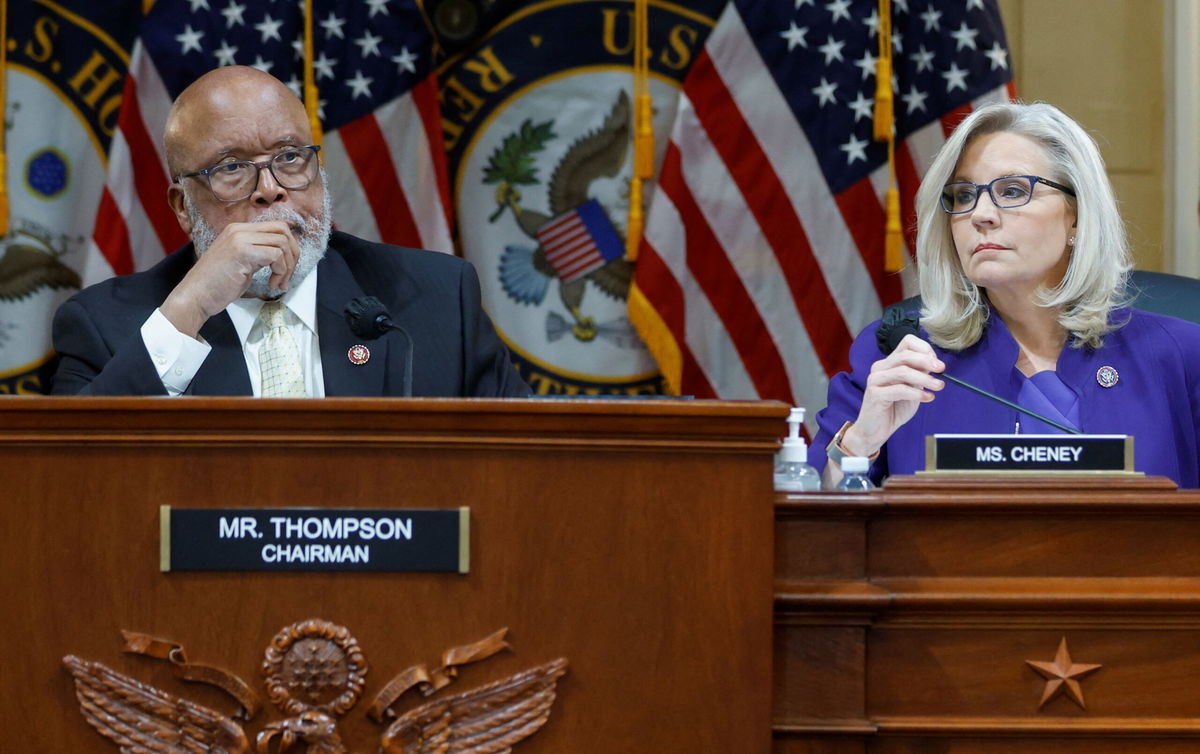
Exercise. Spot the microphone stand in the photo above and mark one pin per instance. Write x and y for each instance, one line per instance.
(897, 323)
(368, 318)
(1010, 404)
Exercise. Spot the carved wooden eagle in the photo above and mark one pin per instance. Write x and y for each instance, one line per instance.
(491, 718)
(142, 719)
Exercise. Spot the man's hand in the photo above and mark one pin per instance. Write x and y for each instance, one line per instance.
(223, 272)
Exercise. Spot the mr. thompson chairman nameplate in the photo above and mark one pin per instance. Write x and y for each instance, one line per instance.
(314, 539)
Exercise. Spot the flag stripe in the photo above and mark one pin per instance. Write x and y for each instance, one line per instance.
(419, 164)
(365, 146)
(908, 180)
(351, 208)
(149, 176)
(572, 253)
(787, 148)
(671, 308)
(952, 118)
(569, 237)
(123, 232)
(567, 227)
(574, 250)
(571, 218)
(866, 222)
(425, 98)
(154, 102)
(766, 198)
(761, 273)
(143, 241)
(734, 306)
(112, 236)
(702, 335)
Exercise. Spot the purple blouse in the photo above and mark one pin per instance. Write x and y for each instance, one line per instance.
(1156, 397)
(1048, 395)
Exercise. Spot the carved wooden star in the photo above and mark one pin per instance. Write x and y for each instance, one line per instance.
(1062, 675)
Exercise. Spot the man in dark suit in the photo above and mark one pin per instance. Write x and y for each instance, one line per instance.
(264, 276)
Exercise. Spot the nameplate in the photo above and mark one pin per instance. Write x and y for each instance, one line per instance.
(1029, 453)
(314, 539)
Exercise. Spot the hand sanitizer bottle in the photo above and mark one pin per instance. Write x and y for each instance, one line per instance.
(854, 475)
(792, 473)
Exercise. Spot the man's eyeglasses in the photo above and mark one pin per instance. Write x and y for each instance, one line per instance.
(294, 168)
(1008, 192)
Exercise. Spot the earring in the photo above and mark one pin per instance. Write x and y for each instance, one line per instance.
(1071, 241)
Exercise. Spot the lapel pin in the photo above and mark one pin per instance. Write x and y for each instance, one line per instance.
(1107, 376)
(360, 354)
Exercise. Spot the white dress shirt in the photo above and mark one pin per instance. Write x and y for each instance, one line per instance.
(178, 357)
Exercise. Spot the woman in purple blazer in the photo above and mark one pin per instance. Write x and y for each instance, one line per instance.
(1022, 262)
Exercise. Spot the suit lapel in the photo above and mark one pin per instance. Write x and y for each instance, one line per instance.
(224, 370)
(336, 286)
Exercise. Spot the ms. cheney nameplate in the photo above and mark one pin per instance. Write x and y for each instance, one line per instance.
(314, 539)
(1030, 453)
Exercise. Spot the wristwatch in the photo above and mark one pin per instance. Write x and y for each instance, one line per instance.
(835, 451)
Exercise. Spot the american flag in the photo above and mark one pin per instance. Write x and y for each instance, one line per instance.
(580, 241)
(763, 253)
(378, 106)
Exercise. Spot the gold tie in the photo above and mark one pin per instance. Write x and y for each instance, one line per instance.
(279, 356)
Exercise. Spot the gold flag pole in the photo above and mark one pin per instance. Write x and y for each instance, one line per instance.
(311, 95)
(643, 127)
(885, 130)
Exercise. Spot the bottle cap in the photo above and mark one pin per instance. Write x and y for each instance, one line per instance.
(855, 465)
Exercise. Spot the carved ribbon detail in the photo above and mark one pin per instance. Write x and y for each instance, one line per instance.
(194, 672)
(429, 681)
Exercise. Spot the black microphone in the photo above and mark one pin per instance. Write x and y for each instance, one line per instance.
(898, 323)
(368, 318)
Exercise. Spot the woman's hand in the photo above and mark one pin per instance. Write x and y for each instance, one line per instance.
(898, 385)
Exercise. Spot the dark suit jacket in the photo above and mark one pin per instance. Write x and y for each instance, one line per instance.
(435, 297)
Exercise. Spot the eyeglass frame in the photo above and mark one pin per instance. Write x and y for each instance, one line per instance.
(981, 187)
(259, 166)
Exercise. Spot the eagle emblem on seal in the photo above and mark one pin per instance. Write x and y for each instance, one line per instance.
(26, 268)
(576, 242)
(314, 673)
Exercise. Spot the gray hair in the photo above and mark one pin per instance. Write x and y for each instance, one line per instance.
(955, 311)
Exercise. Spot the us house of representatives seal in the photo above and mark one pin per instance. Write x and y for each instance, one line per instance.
(63, 77)
(537, 117)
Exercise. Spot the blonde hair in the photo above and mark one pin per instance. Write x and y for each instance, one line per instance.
(955, 311)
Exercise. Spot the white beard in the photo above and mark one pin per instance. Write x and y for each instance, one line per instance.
(312, 236)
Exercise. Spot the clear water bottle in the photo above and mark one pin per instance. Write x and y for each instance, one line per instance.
(854, 475)
(792, 473)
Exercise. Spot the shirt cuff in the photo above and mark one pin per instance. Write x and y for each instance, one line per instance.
(176, 357)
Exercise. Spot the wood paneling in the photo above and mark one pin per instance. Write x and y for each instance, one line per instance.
(963, 580)
(627, 537)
